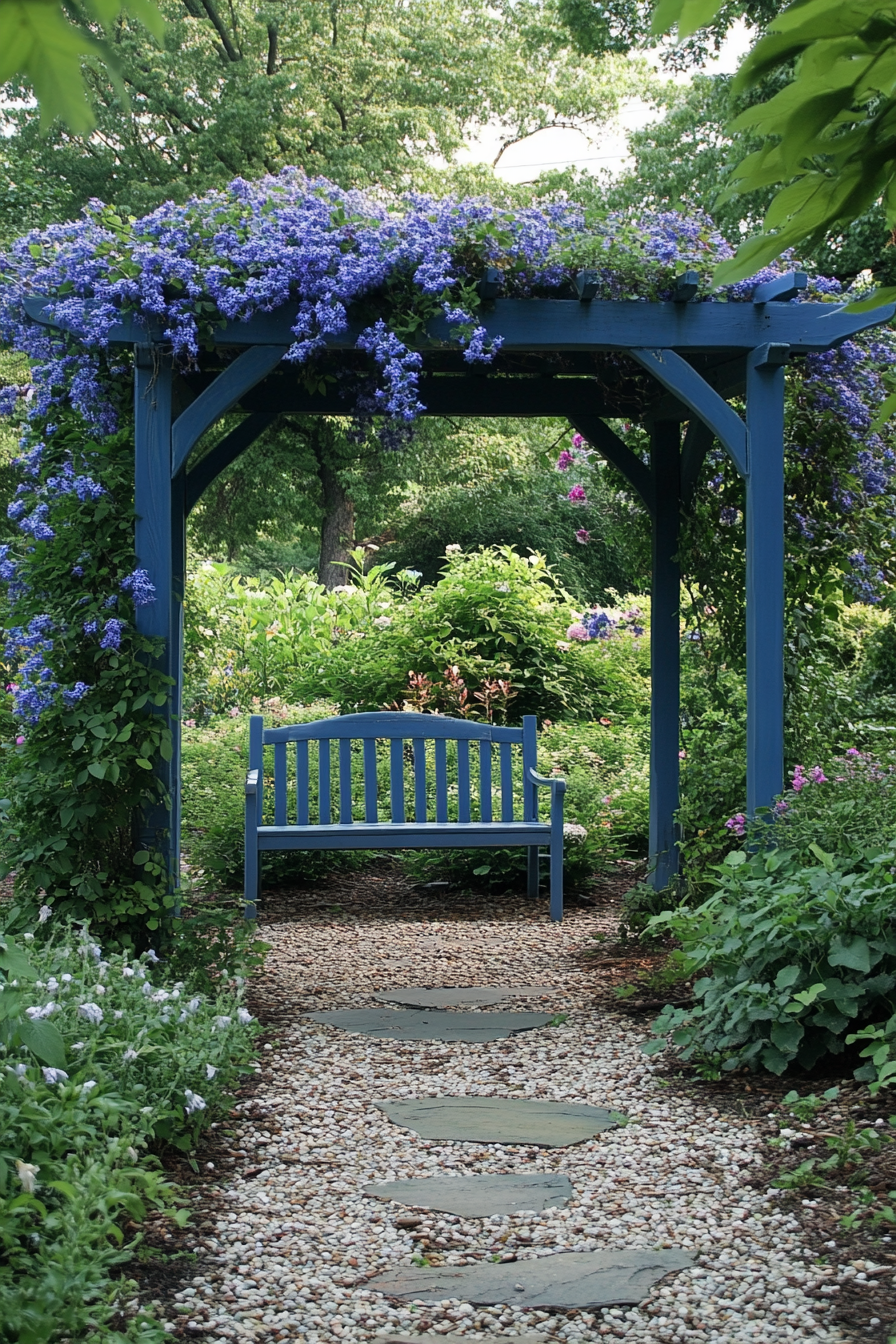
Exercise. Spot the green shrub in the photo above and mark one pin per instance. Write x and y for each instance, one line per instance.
(798, 944)
(527, 510)
(494, 614)
(115, 1060)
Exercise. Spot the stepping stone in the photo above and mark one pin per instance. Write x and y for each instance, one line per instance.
(550, 1124)
(397, 1025)
(583, 1279)
(458, 998)
(479, 1196)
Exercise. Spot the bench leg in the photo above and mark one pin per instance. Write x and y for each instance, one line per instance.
(250, 884)
(557, 882)
(532, 872)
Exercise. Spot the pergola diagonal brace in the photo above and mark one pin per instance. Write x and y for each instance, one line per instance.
(610, 446)
(219, 397)
(677, 376)
(223, 453)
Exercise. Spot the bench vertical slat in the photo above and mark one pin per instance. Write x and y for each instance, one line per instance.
(303, 783)
(396, 779)
(506, 782)
(441, 747)
(279, 783)
(463, 781)
(419, 779)
(370, 781)
(345, 781)
(485, 781)
(530, 762)
(323, 781)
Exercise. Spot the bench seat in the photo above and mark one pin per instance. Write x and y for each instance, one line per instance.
(407, 835)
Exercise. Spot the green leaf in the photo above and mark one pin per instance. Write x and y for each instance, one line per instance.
(16, 964)
(43, 1040)
(654, 1046)
(851, 951)
(787, 976)
(773, 1060)
(97, 769)
(786, 1036)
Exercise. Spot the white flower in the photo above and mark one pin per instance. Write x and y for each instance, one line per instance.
(27, 1174)
(128, 1055)
(244, 1016)
(193, 1006)
(88, 1087)
(345, 588)
(194, 1102)
(37, 1013)
(453, 549)
(118, 1013)
(52, 984)
(92, 1012)
(161, 996)
(575, 834)
(52, 1076)
(210, 1071)
(78, 1045)
(100, 989)
(153, 956)
(383, 621)
(127, 972)
(66, 978)
(502, 587)
(44, 914)
(29, 937)
(146, 989)
(221, 1023)
(20, 1070)
(95, 951)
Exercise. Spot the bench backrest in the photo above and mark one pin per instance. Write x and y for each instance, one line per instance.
(396, 728)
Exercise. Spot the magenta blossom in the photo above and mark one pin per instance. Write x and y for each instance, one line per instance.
(818, 775)
(583, 536)
(577, 495)
(577, 631)
(577, 441)
(799, 780)
(736, 824)
(565, 460)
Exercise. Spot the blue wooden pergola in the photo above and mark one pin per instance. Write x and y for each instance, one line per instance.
(582, 359)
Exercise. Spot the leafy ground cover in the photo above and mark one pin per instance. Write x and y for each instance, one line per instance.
(107, 1060)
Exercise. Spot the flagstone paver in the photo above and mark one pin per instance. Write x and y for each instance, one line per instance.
(549, 1124)
(406, 1024)
(475, 997)
(479, 1196)
(586, 1280)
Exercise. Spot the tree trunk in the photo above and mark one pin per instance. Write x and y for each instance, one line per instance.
(337, 533)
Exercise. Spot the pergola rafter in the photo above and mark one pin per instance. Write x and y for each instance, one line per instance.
(589, 361)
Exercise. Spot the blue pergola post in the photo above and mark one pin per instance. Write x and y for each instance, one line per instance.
(665, 455)
(765, 575)
(160, 547)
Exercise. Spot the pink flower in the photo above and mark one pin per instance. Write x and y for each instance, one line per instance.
(781, 807)
(19, 741)
(234, 712)
(577, 495)
(189, 723)
(818, 775)
(583, 536)
(736, 824)
(682, 755)
(799, 780)
(577, 631)
(577, 441)
(853, 751)
(565, 460)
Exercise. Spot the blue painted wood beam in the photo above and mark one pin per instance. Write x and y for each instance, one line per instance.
(157, 544)
(568, 324)
(221, 456)
(611, 447)
(686, 286)
(765, 581)
(728, 378)
(665, 641)
(697, 442)
(782, 289)
(219, 397)
(678, 377)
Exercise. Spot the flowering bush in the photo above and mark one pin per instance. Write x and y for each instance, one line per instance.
(124, 1060)
(82, 689)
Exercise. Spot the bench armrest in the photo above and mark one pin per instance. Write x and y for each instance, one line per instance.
(251, 782)
(555, 785)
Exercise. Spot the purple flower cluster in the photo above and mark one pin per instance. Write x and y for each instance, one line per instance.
(140, 587)
(111, 638)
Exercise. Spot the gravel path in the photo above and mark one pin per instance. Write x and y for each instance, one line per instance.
(292, 1242)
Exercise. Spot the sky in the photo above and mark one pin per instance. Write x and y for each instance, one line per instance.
(570, 148)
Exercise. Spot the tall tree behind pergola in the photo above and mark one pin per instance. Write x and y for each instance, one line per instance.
(668, 365)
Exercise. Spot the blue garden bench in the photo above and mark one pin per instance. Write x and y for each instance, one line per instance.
(299, 831)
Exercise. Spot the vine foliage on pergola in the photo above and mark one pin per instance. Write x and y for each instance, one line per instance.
(292, 296)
